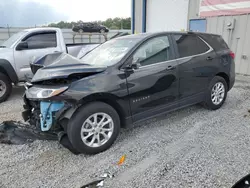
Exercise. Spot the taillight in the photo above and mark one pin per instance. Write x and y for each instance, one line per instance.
(232, 54)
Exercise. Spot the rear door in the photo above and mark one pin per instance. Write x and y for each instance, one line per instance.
(154, 85)
(194, 60)
(39, 44)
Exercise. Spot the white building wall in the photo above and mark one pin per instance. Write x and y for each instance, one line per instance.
(166, 15)
(238, 39)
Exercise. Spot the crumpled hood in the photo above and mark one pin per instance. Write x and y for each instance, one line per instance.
(63, 65)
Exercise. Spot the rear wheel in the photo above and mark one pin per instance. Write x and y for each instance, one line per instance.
(5, 87)
(94, 128)
(216, 93)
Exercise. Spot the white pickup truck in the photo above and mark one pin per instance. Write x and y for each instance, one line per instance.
(18, 51)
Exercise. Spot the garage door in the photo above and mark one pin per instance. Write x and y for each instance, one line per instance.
(166, 15)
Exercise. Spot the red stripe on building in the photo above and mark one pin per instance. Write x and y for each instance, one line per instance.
(217, 2)
(224, 12)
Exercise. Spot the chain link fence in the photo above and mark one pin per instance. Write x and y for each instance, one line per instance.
(68, 34)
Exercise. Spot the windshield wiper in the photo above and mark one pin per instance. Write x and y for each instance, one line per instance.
(2, 46)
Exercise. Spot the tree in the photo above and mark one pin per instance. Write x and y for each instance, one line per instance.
(111, 23)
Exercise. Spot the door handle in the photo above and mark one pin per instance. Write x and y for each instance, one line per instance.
(170, 67)
(209, 58)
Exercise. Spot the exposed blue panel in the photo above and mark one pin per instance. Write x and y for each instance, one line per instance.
(47, 109)
(133, 17)
(199, 25)
(144, 15)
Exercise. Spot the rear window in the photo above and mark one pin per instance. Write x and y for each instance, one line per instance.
(216, 42)
(189, 45)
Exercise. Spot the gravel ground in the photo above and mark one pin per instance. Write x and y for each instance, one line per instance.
(192, 147)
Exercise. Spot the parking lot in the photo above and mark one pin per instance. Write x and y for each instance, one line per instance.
(192, 147)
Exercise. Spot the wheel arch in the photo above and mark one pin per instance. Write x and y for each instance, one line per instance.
(226, 77)
(7, 69)
(109, 99)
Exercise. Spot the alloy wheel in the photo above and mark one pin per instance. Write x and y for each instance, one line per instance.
(2, 88)
(97, 129)
(218, 93)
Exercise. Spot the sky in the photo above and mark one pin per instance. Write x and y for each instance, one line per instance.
(25, 13)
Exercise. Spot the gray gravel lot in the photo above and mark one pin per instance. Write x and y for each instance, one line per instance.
(192, 147)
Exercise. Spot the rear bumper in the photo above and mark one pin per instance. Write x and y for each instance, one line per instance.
(231, 84)
(232, 76)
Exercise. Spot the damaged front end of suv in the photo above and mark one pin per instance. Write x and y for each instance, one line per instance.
(49, 101)
(85, 101)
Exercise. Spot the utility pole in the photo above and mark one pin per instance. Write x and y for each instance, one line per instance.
(121, 24)
(8, 30)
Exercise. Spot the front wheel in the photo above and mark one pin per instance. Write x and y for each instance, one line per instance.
(216, 93)
(5, 87)
(94, 128)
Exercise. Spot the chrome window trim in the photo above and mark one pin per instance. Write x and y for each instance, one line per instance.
(209, 50)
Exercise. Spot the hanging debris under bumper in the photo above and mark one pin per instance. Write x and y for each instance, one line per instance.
(17, 133)
(42, 119)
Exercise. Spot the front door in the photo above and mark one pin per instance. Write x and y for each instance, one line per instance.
(154, 85)
(39, 44)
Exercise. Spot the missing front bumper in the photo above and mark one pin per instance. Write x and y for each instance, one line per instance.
(47, 115)
(55, 111)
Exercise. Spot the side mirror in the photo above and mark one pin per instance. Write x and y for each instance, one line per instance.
(135, 64)
(22, 46)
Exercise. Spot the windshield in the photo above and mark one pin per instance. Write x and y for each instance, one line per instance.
(110, 52)
(8, 43)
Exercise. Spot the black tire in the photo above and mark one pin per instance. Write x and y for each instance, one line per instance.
(8, 87)
(208, 100)
(79, 117)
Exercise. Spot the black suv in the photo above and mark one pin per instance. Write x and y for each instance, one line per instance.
(126, 80)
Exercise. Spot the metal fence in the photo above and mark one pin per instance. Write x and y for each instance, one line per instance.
(68, 34)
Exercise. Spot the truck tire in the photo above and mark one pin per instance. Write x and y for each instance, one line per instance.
(93, 128)
(216, 93)
(5, 87)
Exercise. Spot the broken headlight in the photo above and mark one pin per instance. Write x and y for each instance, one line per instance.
(44, 93)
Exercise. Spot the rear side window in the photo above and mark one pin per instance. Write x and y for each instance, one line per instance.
(41, 40)
(216, 42)
(189, 45)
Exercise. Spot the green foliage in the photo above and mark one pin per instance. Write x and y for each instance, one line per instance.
(111, 23)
